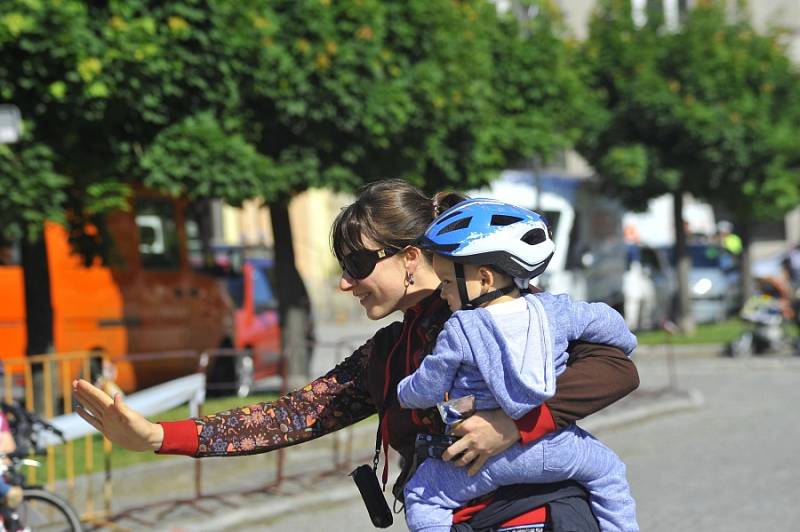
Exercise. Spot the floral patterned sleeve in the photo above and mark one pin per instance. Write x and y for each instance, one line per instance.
(331, 402)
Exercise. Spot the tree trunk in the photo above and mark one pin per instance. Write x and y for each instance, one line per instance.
(38, 311)
(745, 264)
(294, 305)
(38, 307)
(684, 303)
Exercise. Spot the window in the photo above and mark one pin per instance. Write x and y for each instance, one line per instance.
(194, 245)
(235, 286)
(159, 246)
(10, 254)
(262, 291)
(670, 11)
(198, 237)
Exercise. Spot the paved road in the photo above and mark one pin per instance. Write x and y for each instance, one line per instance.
(731, 464)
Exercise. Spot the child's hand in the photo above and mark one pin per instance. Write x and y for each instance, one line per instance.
(483, 435)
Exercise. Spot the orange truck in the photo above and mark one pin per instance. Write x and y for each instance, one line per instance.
(150, 300)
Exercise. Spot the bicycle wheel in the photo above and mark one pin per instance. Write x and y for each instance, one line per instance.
(42, 510)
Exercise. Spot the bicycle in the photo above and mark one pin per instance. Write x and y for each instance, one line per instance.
(39, 509)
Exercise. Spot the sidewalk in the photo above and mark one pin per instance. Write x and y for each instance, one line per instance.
(239, 492)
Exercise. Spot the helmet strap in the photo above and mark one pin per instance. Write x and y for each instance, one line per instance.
(462, 286)
(466, 304)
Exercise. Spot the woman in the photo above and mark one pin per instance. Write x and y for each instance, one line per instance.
(374, 239)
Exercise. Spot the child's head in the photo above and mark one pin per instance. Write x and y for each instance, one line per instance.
(478, 280)
(484, 249)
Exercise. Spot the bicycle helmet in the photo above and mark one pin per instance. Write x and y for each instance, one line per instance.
(515, 241)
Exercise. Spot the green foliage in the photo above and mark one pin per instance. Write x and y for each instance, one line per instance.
(538, 97)
(714, 107)
(710, 333)
(264, 98)
(44, 46)
(196, 158)
(30, 190)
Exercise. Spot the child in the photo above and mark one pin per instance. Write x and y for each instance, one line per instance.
(505, 346)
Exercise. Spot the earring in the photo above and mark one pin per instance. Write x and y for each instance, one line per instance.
(409, 279)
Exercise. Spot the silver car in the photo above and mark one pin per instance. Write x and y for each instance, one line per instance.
(714, 283)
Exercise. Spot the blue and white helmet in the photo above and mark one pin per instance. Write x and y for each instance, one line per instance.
(480, 231)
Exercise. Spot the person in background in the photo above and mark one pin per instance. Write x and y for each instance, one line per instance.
(729, 240)
(791, 268)
(12, 495)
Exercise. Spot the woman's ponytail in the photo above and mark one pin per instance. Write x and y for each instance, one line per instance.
(444, 200)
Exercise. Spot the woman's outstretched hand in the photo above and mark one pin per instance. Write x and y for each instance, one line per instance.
(483, 435)
(112, 417)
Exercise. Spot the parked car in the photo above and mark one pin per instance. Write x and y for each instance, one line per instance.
(247, 273)
(650, 287)
(714, 282)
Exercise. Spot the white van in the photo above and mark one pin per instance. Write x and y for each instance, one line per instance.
(589, 260)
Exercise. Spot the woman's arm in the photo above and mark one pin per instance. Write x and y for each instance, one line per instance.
(329, 403)
(596, 376)
(332, 402)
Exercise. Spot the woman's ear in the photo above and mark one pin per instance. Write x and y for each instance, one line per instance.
(412, 256)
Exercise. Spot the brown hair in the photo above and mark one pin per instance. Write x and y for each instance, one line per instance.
(390, 212)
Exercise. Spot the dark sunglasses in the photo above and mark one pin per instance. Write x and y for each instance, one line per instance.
(359, 264)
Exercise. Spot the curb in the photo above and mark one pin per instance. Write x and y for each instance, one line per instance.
(283, 505)
(681, 350)
(686, 401)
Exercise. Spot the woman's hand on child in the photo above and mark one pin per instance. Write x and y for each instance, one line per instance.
(123, 426)
(483, 435)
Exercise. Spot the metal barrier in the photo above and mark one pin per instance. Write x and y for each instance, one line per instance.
(58, 370)
(341, 445)
(45, 384)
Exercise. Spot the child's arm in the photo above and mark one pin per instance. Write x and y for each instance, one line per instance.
(595, 323)
(434, 377)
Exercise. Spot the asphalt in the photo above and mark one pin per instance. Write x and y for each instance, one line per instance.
(247, 493)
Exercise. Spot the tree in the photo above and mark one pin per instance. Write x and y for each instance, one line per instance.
(443, 94)
(709, 109)
(539, 101)
(266, 98)
(98, 83)
(745, 111)
(46, 71)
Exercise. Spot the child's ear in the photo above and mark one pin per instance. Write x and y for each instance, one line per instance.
(487, 276)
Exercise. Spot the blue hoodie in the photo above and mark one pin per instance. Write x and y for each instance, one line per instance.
(472, 355)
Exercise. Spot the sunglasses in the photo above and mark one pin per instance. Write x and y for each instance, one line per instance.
(359, 264)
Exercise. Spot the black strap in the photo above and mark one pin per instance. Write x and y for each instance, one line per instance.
(462, 285)
(466, 304)
(378, 442)
(491, 296)
(568, 502)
